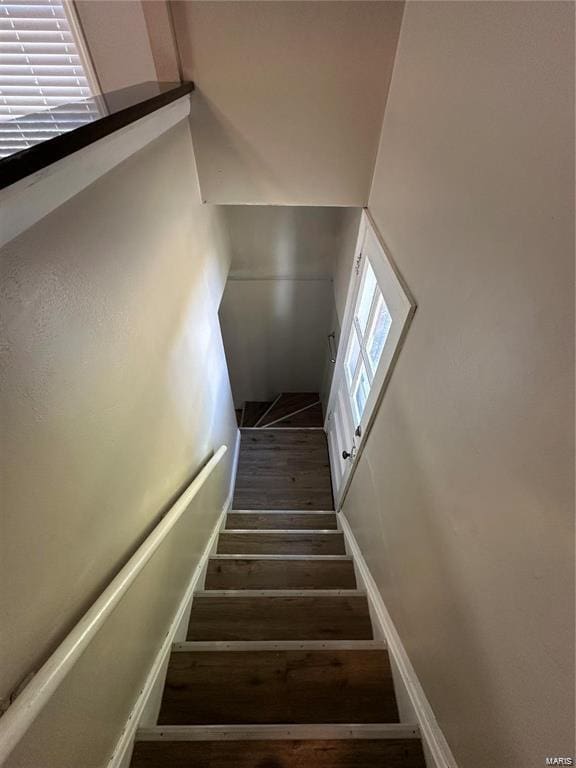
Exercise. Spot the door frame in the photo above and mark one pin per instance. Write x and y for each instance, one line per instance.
(366, 221)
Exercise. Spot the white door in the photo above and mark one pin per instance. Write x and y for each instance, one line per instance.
(378, 310)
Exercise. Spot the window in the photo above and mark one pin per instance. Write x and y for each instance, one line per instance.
(379, 331)
(42, 66)
(370, 329)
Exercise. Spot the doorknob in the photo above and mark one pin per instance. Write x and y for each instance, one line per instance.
(346, 455)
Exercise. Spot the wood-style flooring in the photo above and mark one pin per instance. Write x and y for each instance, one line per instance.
(286, 405)
(351, 753)
(236, 573)
(332, 686)
(255, 617)
(280, 668)
(283, 469)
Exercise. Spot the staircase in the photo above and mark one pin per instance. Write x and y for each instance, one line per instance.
(280, 668)
(301, 410)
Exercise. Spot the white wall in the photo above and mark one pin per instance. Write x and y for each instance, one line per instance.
(285, 241)
(279, 304)
(117, 38)
(290, 97)
(114, 393)
(275, 333)
(463, 501)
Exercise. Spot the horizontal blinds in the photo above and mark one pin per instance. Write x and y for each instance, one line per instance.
(40, 69)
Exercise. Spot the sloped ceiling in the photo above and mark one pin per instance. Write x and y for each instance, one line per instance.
(290, 96)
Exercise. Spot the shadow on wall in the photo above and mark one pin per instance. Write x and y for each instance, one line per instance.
(405, 520)
(279, 304)
(275, 335)
(226, 153)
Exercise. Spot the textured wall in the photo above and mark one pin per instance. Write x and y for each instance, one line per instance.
(463, 501)
(114, 392)
(290, 97)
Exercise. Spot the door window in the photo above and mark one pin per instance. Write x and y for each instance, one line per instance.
(378, 309)
(379, 332)
(370, 328)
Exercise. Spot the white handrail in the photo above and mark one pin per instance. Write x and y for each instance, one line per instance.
(28, 705)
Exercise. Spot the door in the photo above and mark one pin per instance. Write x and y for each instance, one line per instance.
(377, 314)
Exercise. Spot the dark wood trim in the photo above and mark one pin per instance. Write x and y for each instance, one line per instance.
(21, 164)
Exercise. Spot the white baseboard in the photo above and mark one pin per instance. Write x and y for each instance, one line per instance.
(412, 700)
(145, 710)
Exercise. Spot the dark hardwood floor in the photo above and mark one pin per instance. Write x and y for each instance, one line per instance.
(278, 687)
(280, 574)
(348, 753)
(250, 617)
(311, 417)
(283, 469)
(252, 411)
(280, 637)
(275, 543)
(282, 520)
(287, 404)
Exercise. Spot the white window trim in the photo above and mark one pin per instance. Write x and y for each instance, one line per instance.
(82, 45)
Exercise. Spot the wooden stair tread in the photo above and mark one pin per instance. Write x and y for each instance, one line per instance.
(283, 469)
(312, 417)
(280, 574)
(349, 753)
(282, 520)
(287, 404)
(253, 410)
(265, 687)
(252, 617)
(276, 543)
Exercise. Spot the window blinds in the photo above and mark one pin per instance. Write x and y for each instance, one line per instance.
(40, 68)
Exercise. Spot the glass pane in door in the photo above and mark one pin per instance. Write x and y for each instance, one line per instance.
(379, 332)
(352, 356)
(365, 299)
(360, 393)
